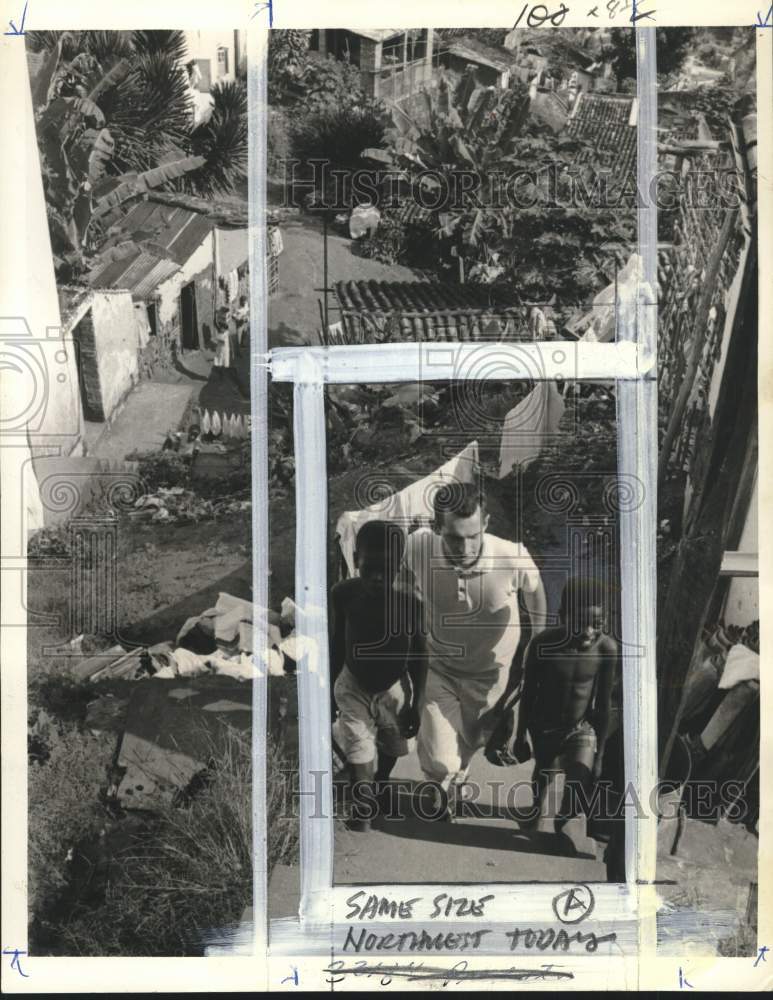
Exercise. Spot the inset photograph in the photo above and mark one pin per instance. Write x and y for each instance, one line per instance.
(474, 628)
(450, 184)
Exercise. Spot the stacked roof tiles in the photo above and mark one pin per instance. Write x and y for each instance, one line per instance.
(604, 120)
(386, 311)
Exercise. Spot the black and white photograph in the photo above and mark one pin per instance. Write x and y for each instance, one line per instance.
(237, 500)
(137, 492)
(708, 609)
(473, 616)
(450, 184)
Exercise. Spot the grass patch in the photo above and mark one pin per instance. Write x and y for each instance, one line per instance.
(158, 886)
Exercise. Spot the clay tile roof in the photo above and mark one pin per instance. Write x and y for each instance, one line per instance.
(423, 310)
(603, 120)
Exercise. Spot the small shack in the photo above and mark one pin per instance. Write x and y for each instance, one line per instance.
(108, 338)
(493, 64)
(163, 254)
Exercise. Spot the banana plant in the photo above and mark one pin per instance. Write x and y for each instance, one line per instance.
(114, 118)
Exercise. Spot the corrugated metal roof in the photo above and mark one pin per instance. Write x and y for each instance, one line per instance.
(179, 230)
(109, 275)
(190, 236)
(170, 233)
(139, 274)
(160, 271)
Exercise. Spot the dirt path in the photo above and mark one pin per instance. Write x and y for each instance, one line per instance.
(149, 412)
(293, 314)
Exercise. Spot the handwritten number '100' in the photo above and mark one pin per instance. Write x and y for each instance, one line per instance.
(539, 14)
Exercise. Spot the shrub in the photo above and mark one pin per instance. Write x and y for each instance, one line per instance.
(331, 83)
(49, 543)
(161, 468)
(283, 824)
(287, 60)
(338, 134)
(397, 242)
(64, 805)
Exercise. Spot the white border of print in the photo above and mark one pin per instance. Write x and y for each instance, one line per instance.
(18, 262)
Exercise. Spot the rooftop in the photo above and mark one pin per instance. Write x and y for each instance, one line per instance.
(608, 122)
(148, 243)
(70, 299)
(377, 34)
(424, 310)
(473, 50)
(139, 273)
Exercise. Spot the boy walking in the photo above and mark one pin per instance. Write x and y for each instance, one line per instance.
(376, 664)
(566, 701)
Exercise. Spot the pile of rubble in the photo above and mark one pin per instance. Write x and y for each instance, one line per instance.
(218, 641)
(175, 504)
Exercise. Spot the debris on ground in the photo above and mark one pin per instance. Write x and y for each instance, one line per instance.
(190, 689)
(173, 729)
(175, 504)
(220, 640)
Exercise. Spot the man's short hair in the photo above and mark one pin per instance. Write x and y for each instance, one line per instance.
(583, 592)
(384, 537)
(459, 499)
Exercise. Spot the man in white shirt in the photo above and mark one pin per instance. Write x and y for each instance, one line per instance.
(468, 582)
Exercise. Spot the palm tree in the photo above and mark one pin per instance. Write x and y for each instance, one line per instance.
(114, 117)
(222, 142)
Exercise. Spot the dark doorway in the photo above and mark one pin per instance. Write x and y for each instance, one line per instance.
(88, 370)
(188, 318)
(152, 319)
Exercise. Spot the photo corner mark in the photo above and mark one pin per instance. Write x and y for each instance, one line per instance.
(19, 32)
(768, 22)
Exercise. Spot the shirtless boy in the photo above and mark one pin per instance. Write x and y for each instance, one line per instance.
(566, 700)
(376, 664)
